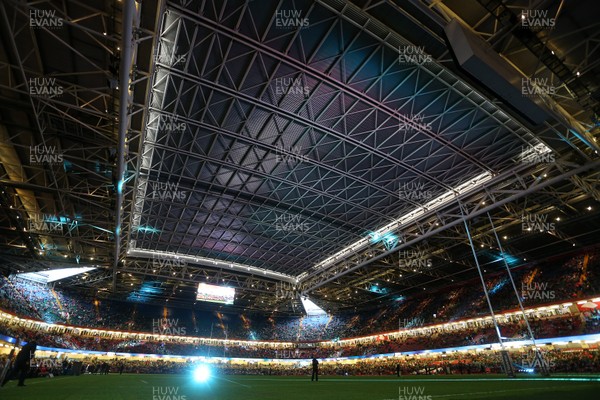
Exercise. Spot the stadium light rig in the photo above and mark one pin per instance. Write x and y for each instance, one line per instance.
(135, 251)
(469, 186)
(147, 229)
(389, 240)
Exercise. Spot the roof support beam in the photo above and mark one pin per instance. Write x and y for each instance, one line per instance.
(127, 56)
(454, 217)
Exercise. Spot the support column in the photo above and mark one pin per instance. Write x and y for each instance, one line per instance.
(538, 358)
(506, 361)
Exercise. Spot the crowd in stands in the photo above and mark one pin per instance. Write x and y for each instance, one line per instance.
(433, 338)
(485, 362)
(565, 280)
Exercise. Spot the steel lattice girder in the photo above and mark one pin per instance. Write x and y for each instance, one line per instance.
(346, 128)
(80, 113)
(496, 194)
(171, 87)
(197, 274)
(79, 123)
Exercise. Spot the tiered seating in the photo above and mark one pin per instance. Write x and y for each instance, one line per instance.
(579, 275)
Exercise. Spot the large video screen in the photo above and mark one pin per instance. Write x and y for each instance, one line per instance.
(215, 294)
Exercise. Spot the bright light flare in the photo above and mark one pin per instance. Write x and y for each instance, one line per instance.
(201, 373)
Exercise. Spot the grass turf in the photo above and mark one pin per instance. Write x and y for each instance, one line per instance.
(182, 387)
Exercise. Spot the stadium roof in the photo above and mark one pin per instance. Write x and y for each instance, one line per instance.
(52, 275)
(332, 148)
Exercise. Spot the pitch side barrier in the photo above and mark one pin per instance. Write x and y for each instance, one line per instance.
(517, 344)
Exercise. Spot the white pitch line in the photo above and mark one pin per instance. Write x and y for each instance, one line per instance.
(144, 381)
(234, 382)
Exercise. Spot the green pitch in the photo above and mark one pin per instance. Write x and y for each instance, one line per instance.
(180, 387)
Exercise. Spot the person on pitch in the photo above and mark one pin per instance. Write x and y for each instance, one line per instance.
(315, 370)
(21, 363)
